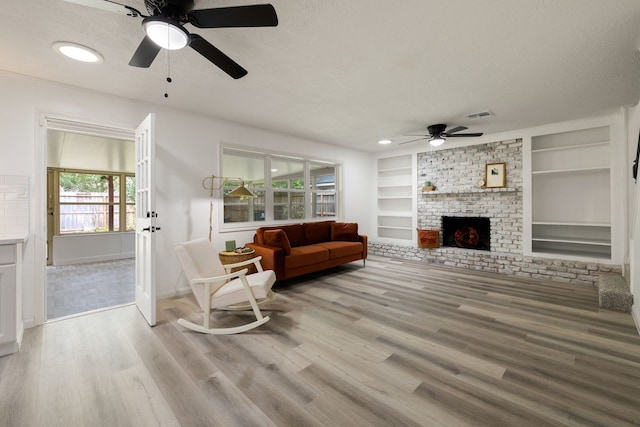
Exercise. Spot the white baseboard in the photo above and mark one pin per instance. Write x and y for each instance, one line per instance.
(635, 313)
(177, 292)
(84, 260)
(9, 348)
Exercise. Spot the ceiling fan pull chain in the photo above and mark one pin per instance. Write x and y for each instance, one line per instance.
(166, 85)
(168, 58)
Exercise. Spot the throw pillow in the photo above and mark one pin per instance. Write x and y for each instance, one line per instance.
(278, 239)
(345, 231)
(295, 234)
(317, 232)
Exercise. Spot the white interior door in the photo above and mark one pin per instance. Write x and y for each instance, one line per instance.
(146, 220)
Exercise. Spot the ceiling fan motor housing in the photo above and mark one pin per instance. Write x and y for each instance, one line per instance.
(175, 9)
(436, 130)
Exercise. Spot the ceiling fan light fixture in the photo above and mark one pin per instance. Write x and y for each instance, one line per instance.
(437, 141)
(165, 32)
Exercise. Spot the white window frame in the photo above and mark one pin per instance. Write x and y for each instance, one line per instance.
(309, 192)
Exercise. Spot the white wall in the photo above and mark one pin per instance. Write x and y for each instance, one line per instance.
(633, 128)
(186, 151)
(93, 247)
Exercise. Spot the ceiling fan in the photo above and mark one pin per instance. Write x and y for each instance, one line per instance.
(438, 134)
(163, 27)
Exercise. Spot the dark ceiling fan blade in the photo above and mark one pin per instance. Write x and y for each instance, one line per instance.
(216, 56)
(456, 129)
(257, 15)
(456, 135)
(414, 140)
(109, 5)
(145, 54)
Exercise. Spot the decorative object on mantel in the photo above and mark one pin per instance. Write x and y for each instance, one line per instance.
(495, 175)
(428, 239)
(208, 184)
(428, 186)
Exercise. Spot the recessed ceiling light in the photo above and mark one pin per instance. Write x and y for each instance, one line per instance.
(77, 52)
(385, 142)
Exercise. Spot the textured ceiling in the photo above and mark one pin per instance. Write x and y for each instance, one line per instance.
(352, 72)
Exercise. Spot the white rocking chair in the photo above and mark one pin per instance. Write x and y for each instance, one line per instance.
(216, 288)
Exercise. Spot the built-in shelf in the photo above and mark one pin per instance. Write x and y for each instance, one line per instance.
(571, 194)
(394, 186)
(577, 251)
(572, 147)
(570, 171)
(601, 242)
(581, 224)
(395, 198)
(388, 227)
(394, 170)
(394, 214)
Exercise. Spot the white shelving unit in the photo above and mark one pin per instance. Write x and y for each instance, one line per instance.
(395, 197)
(571, 193)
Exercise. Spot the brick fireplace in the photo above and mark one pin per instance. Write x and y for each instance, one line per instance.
(455, 173)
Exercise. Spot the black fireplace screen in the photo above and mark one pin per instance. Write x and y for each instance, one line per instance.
(466, 232)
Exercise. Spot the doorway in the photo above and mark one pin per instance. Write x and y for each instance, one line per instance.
(90, 220)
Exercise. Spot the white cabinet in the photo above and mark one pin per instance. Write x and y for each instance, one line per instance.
(395, 197)
(11, 325)
(571, 193)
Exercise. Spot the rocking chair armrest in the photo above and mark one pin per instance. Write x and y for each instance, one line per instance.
(255, 261)
(222, 278)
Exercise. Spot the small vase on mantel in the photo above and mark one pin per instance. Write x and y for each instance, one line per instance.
(428, 186)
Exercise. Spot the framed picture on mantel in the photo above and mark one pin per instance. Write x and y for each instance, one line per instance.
(495, 175)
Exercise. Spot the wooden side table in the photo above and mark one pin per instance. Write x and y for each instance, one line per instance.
(231, 257)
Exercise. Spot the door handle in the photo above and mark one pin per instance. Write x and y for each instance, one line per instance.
(152, 229)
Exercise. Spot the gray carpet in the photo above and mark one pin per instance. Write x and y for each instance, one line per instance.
(73, 289)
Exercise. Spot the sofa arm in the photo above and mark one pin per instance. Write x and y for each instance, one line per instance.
(365, 248)
(272, 257)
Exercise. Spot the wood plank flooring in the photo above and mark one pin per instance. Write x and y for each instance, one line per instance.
(397, 343)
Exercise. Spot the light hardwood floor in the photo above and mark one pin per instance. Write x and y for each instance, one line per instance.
(397, 343)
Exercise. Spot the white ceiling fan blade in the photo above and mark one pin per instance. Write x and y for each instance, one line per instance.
(104, 5)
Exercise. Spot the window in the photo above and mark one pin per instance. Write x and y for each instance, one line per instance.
(323, 190)
(287, 182)
(286, 188)
(91, 202)
(250, 167)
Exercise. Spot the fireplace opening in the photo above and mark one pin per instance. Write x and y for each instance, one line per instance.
(466, 232)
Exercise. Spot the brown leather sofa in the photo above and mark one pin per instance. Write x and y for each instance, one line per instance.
(296, 249)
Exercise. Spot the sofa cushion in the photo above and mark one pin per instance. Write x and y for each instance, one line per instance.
(277, 238)
(344, 231)
(339, 249)
(316, 232)
(294, 232)
(306, 255)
